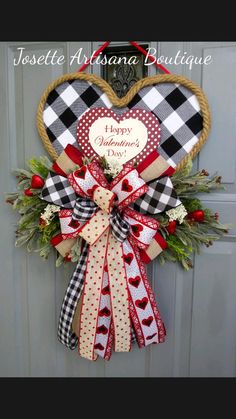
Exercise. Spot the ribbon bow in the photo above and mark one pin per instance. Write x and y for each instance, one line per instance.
(117, 296)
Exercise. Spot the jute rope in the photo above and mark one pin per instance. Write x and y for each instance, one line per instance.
(122, 102)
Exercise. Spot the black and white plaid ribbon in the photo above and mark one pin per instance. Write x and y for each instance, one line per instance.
(58, 191)
(120, 227)
(84, 209)
(72, 295)
(160, 197)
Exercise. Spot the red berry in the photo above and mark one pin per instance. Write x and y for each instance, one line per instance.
(197, 215)
(28, 192)
(37, 182)
(171, 227)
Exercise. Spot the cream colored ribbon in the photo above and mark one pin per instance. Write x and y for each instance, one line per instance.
(104, 251)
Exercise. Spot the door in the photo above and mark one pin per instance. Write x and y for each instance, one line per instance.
(198, 307)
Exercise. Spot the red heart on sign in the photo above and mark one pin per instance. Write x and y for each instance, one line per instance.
(137, 228)
(142, 303)
(148, 321)
(136, 134)
(135, 281)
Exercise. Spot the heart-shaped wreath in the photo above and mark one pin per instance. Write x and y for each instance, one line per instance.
(123, 200)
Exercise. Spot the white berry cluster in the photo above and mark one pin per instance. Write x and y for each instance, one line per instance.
(114, 168)
(178, 213)
(49, 213)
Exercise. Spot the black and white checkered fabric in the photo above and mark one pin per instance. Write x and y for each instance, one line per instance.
(58, 191)
(84, 209)
(160, 197)
(175, 106)
(72, 295)
(120, 227)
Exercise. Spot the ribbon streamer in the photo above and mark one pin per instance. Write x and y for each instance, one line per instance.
(113, 291)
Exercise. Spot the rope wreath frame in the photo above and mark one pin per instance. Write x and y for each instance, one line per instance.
(122, 102)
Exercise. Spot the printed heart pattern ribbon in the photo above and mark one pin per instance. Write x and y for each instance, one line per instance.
(116, 295)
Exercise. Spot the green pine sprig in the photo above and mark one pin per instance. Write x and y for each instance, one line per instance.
(190, 236)
(29, 231)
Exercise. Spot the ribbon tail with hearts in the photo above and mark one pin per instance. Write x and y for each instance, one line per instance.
(144, 313)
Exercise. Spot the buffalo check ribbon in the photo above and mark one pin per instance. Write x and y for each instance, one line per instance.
(110, 281)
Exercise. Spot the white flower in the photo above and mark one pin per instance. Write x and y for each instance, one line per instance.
(49, 213)
(178, 213)
(114, 168)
